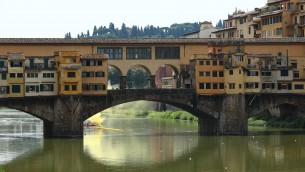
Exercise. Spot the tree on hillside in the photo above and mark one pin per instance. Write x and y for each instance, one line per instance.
(149, 31)
(114, 31)
(123, 31)
(94, 31)
(134, 32)
(219, 24)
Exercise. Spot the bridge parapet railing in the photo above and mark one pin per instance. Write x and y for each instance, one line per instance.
(152, 91)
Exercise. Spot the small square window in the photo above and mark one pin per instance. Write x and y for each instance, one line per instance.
(201, 73)
(201, 85)
(214, 63)
(71, 74)
(214, 73)
(67, 88)
(74, 87)
(220, 73)
(208, 86)
(207, 74)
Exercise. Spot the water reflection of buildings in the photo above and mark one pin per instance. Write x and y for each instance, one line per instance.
(277, 152)
(127, 150)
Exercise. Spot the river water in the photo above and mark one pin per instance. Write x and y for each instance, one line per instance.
(129, 144)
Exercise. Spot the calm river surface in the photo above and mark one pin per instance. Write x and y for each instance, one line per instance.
(145, 145)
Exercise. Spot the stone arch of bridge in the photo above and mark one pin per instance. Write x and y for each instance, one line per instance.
(277, 105)
(117, 69)
(146, 69)
(181, 98)
(174, 68)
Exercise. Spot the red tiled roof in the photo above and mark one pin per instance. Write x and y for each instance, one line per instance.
(101, 41)
(3, 56)
(94, 56)
(15, 56)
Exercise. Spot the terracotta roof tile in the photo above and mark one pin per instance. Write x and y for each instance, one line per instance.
(3, 56)
(100, 41)
(94, 56)
(15, 56)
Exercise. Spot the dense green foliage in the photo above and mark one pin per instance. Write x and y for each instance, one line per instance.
(178, 115)
(149, 31)
(282, 122)
(113, 76)
(137, 79)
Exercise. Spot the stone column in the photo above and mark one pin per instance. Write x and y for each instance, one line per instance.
(233, 118)
(122, 82)
(67, 120)
(152, 81)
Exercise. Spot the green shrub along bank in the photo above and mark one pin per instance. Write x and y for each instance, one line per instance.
(179, 115)
(282, 122)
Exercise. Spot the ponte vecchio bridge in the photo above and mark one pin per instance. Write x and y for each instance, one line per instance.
(63, 115)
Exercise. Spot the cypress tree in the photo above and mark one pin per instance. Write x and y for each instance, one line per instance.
(123, 31)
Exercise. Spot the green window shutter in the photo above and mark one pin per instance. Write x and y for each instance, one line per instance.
(45, 63)
(27, 88)
(1, 64)
(37, 88)
(31, 63)
(3, 76)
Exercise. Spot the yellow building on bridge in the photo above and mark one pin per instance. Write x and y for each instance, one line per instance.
(211, 66)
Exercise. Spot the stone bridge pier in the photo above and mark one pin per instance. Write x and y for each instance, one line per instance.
(226, 115)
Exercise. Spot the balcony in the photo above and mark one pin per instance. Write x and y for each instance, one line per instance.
(4, 69)
(252, 66)
(273, 1)
(40, 66)
(71, 66)
(257, 19)
(268, 67)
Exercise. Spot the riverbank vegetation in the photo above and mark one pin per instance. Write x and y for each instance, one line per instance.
(177, 115)
(282, 122)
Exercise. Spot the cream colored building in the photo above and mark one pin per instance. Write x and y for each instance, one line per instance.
(4, 88)
(15, 78)
(206, 31)
(40, 76)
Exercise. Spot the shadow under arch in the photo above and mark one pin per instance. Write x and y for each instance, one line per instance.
(276, 105)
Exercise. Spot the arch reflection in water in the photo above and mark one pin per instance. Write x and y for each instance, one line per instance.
(146, 143)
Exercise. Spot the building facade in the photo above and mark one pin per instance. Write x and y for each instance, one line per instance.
(278, 19)
(212, 66)
(94, 74)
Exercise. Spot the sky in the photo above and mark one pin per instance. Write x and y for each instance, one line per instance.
(55, 18)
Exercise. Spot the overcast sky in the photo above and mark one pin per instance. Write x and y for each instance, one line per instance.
(54, 18)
